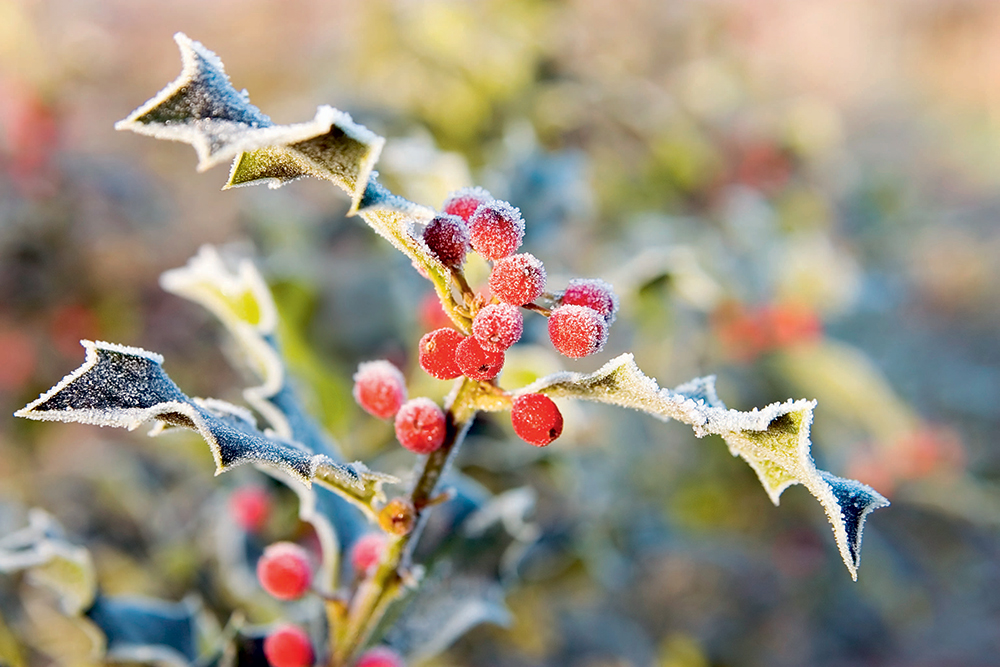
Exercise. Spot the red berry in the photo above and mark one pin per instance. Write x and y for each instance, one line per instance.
(498, 326)
(464, 202)
(379, 388)
(251, 507)
(592, 293)
(518, 279)
(420, 425)
(289, 646)
(366, 552)
(496, 229)
(447, 236)
(437, 353)
(284, 570)
(577, 331)
(477, 363)
(380, 656)
(536, 419)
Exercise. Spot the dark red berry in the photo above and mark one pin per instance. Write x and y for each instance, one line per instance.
(367, 551)
(251, 507)
(498, 326)
(477, 363)
(464, 202)
(577, 331)
(380, 656)
(447, 236)
(437, 353)
(379, 388)
(536, 419)
(592, 293)
(284, 570)
(289, 646)
(420, 425)
(518, 279)
(496, 230)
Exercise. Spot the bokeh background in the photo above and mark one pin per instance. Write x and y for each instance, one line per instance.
(801, 198)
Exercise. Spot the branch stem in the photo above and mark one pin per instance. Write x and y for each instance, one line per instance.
(388, 582)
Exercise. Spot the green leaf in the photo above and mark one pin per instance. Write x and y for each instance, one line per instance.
(50, 560)
(126, 386)
(240, 299)
(343, 153)
(202, 108)
(773, 440)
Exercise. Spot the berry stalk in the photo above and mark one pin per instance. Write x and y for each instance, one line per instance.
(388, 581)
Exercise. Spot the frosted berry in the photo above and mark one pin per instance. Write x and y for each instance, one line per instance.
(367, 551)
(420, 425)
(380, 656)
(518, 279)
(477, 363)
(464, 202)
(536, 419)
(379, 388)
(498, 326)
(289, 646)
(448, 238)
(593, 293)
(284, 570)
(250, 507)
(397, 517)
(437, 353)
(496, 230)
(577, 331)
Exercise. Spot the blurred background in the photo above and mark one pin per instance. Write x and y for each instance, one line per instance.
(801, 198)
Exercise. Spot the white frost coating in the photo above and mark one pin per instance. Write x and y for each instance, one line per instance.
(95, 417)
(773, 440)
(132, 418)
(323, 123)
(201, 107)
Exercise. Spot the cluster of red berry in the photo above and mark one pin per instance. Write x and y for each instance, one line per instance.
(472, 220)
(285, 571)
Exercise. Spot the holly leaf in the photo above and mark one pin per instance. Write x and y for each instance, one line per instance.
(126, 386)
(147, 630)
(773, 440)
(51, 560)
(444, 609)
(201, 107)
(238, 296)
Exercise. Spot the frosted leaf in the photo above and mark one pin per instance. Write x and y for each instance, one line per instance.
(442, 611)
(240, 298)
(333, 148)
(41, 549)
(126, 386)
(201, 107)
(146, 630)
(773, 440)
